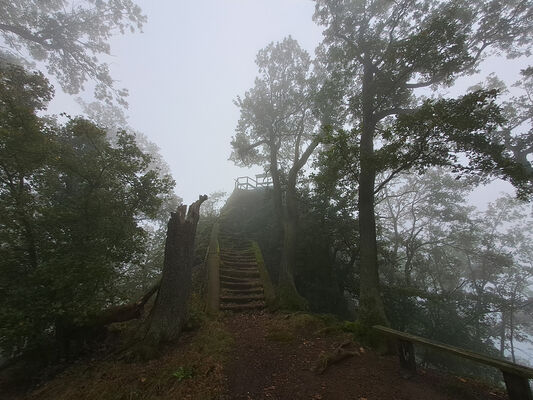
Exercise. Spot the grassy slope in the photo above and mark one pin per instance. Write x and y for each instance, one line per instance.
(190, 368)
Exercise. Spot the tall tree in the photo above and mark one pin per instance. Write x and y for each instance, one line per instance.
(380, 51)
(70, 216)
(517, 132)
(68, 37)
(477, 264)
(113, 120)
(278, 130)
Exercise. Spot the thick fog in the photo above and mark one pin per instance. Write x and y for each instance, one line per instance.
(187, 73)
(184, 71)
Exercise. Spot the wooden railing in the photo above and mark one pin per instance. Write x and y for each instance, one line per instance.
(516, 376)
(248, 183)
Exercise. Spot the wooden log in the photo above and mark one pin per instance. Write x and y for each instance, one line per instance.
(338, 355)
(126, 312)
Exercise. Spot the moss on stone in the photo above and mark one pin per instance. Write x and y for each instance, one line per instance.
(268, 288)
(290, 299)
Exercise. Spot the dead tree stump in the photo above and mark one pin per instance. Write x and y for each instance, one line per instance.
(170, 309)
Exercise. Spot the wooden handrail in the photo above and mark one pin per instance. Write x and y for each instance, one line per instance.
(516, 376)
(248, 183)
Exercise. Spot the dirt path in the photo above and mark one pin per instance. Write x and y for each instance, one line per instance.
(267, 364)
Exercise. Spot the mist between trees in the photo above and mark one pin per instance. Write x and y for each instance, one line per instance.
(380, 231)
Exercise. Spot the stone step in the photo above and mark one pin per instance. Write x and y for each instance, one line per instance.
(241, 299)
(242, 307)
(237, 252)
(233, 279)
(239, 273)
(243, 263)
(239, 261)
(243, 269)
(240, 285)
(248, 291)
(237, 255)
(238, 258)
(239, 267)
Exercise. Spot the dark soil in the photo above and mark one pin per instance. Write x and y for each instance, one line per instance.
(253, 356)
(267, 366)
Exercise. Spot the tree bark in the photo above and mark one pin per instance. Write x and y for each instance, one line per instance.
(288, 294)
(170, 309)
(126, 312)
(288, 256)
(502, 334)
(290, 227)
(371, 308)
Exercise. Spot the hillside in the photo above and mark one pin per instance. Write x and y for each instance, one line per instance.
(254, 356)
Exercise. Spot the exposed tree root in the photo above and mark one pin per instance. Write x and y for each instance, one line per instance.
(339, 354)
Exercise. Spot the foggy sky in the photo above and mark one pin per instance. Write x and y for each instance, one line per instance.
(184, 72)
(192, 60)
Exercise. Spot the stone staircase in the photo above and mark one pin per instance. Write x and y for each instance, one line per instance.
(240, 283)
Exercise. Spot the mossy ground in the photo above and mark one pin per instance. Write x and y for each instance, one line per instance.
(190, 368)
(259, 356)
(288, 327)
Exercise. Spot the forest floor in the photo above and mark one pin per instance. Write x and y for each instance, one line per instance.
(275, 358)
(255, 356)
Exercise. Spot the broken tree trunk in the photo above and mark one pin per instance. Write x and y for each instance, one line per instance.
(71, 338)
(126, 312)
(169, 312)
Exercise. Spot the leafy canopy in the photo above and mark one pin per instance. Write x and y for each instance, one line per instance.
(68, 37)
(72, 214)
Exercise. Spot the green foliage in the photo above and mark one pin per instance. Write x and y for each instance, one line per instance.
(183, 373)
(71, 215)
(213, 340)
(375, 54)
(282, 95)
(287, 327)
(268, 288)
(452, 267)
(321, 276)
(68, 38)
(289, 299)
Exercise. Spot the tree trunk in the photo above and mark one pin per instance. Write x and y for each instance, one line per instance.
(170, 309)
(289, 296)
(125, 312)
(71, 337)
(502, 335)
(276, 182)
(290, 229)
(511, 330)
(290, 217)
(371, 308)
